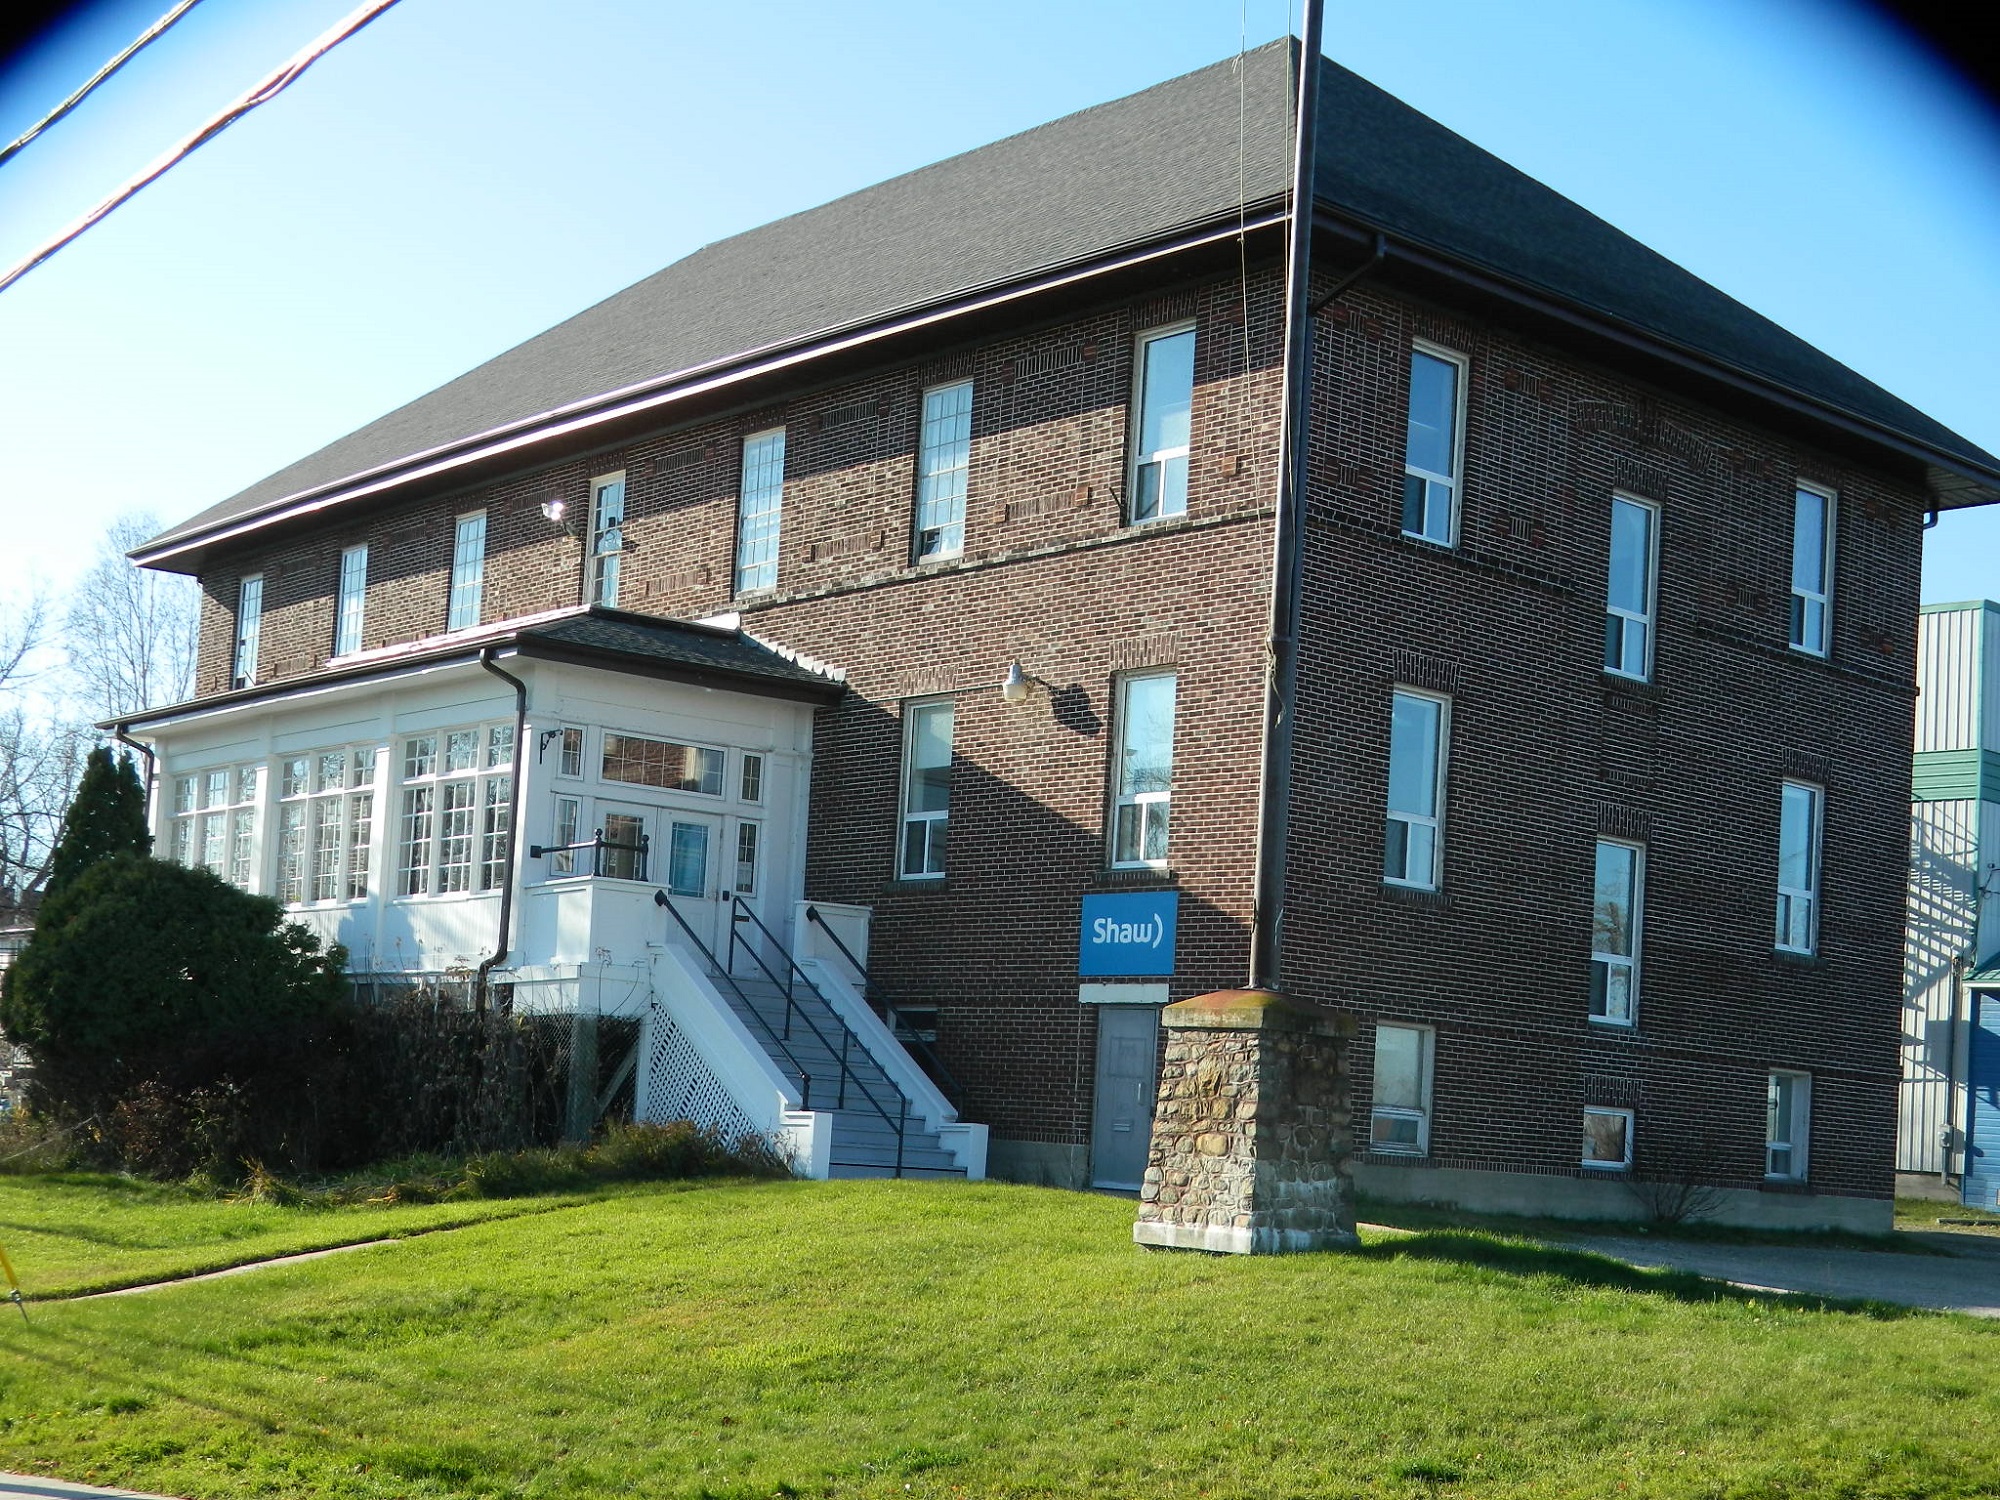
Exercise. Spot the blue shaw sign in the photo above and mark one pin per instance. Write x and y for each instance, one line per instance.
(1129, 933)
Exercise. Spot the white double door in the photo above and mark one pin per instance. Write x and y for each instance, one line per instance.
(678, 852)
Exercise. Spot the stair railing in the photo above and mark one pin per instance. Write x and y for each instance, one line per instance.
(899, 1121)
(904, 1033)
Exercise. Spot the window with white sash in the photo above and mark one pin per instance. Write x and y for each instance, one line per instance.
(1629, 597)
(455, 825)
(927, 739)
(1413, 844)
(468, 571)
(1614, 932)
(607, 537)
(1144, 767)
(1812, 570)
(350, 611)
(249, 626)
(215, 822)
(325, 825)
(759, 510)
(944, 462)
(1401, 1119)
(1607, 1139)
(1163, 411)
(1799, 815)
(1788, 1125)
(1433, 445)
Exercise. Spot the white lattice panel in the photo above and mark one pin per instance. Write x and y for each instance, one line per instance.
(679, 1086)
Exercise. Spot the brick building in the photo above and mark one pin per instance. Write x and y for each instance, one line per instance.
(886, 589)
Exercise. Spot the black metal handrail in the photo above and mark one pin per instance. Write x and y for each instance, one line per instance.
(904, 1033)
(898, 1122)
(742, 913)
(599, 843)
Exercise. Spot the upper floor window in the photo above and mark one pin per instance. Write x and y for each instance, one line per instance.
(326, 825)
(1401, 1118)
(1629, 594)
(1798, 867)
(457, 811)
(1788, 1125)
(758, 511)
(927, 734)
(607, 537)
(249, 623)
(214, 822)
(1414, 840)
(943, 463)
(468, 571)
(1614, 932)
(1165, 405)
(352, 605)
(569, 751)
(1433, 447)
(1144, 766)
(663, 763)
(1812, 570)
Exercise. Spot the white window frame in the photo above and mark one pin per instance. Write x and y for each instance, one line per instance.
(756, 547)
(935, 819)
(351, 611)
(348, 862)
(607, 538)
(1800, 1126)
(750, 778)
(941, 492)
(464, 605)
(1788, 896)
(1650, 618)
(1163, 456)
(565, 827)
(1618, 960)
(619, 785)
(1427, 1056)
(1800, 598)
(566, 737)
(1454, 482)
(1435, 822)
(234, 819)
(749, 857)
(249, 630)
(1143, 802)
(1590, 1164)
(432, 870)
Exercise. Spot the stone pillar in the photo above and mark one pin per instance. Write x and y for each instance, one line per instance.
(1250, 1132)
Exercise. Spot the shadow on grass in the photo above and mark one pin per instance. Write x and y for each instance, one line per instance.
(1583, 1268)
(1435, 1216)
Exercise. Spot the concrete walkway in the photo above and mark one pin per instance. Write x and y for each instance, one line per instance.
(1965, 1278)
(12, 1485)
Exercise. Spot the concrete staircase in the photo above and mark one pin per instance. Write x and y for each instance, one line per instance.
(808, 1038)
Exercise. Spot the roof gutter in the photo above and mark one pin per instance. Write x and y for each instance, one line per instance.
(1644, 341)
(699, 380)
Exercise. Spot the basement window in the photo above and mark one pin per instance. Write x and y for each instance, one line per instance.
(1164, 405)
(1788, 1101)
(1607, 1139)
(1400, 1122)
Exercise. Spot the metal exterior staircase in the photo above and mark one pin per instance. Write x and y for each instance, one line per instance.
(876, 1131)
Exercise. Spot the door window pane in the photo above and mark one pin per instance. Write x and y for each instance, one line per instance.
(687, 863)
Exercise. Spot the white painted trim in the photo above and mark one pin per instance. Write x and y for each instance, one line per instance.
(1456, 479)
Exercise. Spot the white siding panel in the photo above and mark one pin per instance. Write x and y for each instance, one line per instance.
(1989, 646)
(1943, 852)
(1948, 659)
(1989, 856)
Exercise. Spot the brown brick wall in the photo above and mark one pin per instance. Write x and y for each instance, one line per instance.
(1544, 748)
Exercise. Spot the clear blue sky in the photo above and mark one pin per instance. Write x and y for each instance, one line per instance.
(466, 172)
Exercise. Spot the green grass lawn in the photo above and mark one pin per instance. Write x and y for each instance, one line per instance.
(937, 1339)
(78, 1232)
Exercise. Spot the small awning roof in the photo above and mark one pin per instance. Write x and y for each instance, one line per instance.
(674, 650)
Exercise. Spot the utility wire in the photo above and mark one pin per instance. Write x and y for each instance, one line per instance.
(263, 93)
(152, 33)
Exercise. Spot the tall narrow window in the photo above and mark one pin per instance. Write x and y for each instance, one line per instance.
(943, 463)
(1431, 446)
(468, 571)
(1812, 570)
(746, 859)
(758, 511)
(1413, 842)
(1788, 1128)
(1628, 597)
(1165, 407)
(568, 818)
(1401, 1119)
(1145, 769)
(607, 537)
(569, 760)
(751, 786)
(1798, 867)
(249, 623)
(353, 603)
(927, 733)
(1614, 932)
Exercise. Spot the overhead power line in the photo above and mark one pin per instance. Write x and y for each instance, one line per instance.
(151, 33)
(263, 93)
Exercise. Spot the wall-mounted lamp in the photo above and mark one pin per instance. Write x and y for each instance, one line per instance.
(553, 508)
(1017, 686)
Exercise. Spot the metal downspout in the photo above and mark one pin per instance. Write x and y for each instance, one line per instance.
(1281, 680)
(152, 763)
(506, 939)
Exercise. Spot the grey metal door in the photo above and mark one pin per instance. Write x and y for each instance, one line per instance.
(1127, 1073)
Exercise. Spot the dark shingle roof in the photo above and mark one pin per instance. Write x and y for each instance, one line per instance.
(1128, 172)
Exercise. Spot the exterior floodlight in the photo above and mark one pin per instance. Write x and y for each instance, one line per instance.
(553, 508)
(1014, 686)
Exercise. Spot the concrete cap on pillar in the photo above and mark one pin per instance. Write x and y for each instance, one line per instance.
(1254, 1010)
